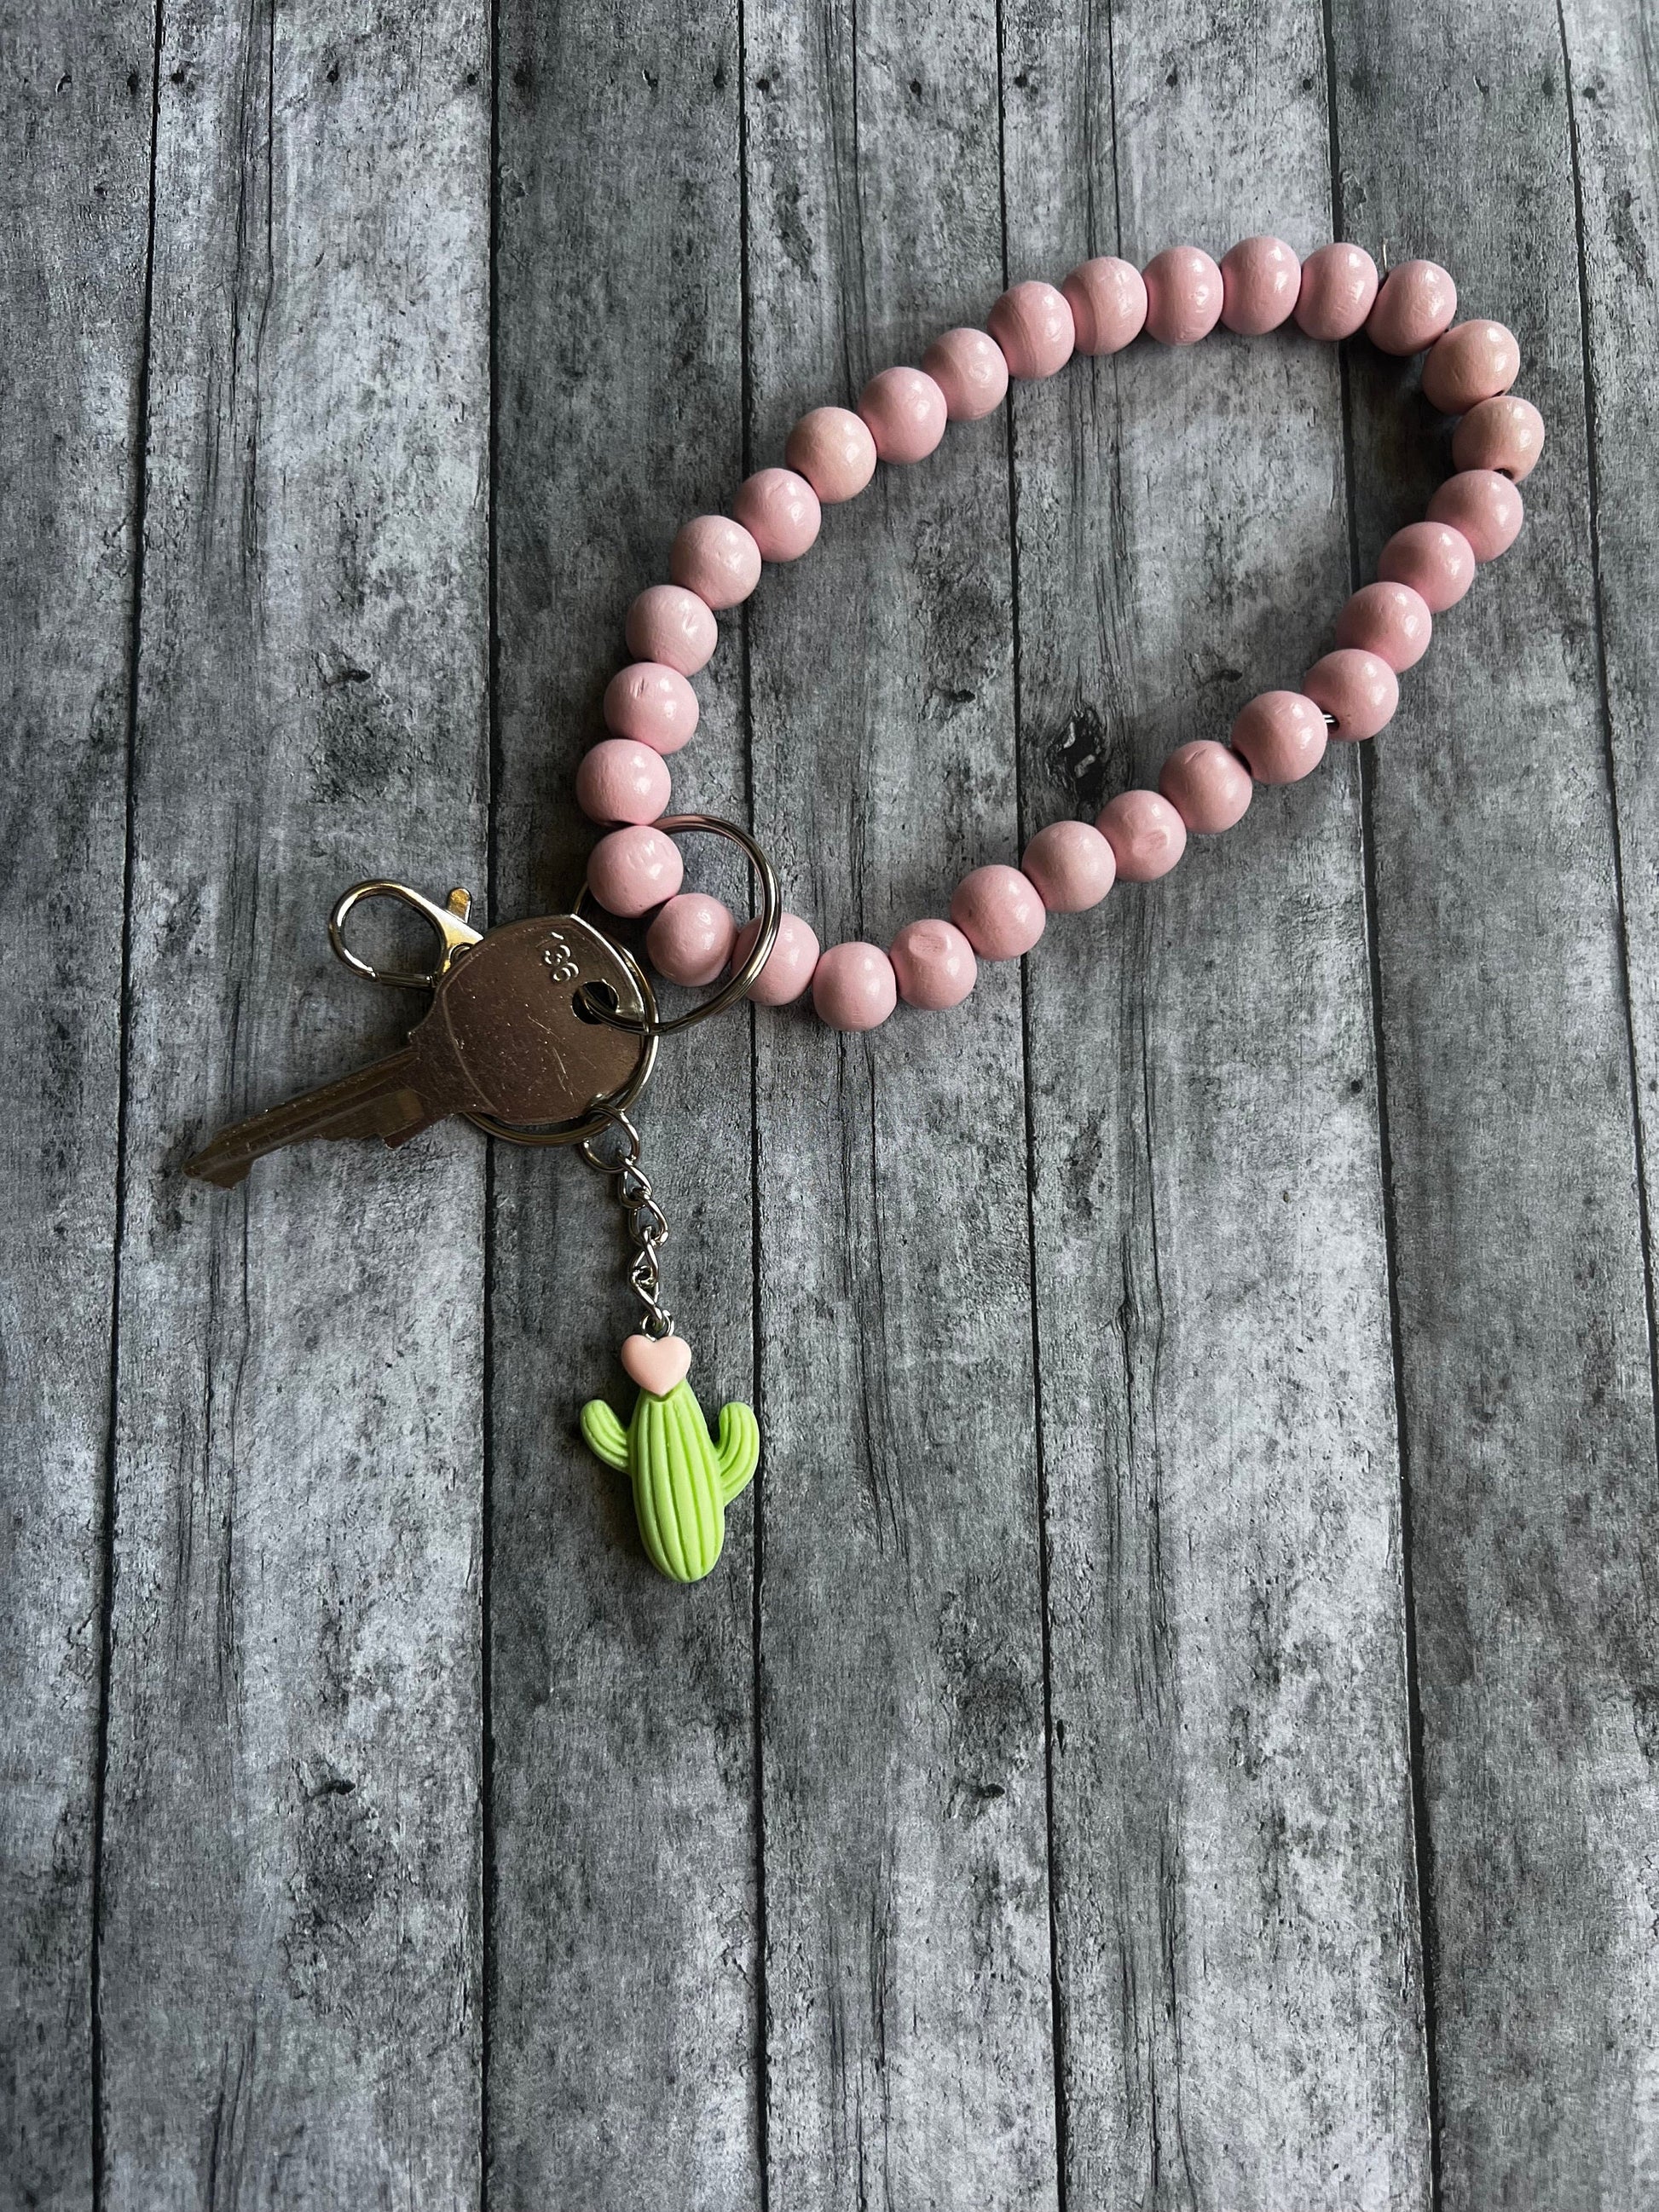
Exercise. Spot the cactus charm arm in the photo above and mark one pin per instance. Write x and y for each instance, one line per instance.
(607, 1439)
(738, 1454)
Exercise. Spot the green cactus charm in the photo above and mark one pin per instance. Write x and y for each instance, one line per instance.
(684, 1480)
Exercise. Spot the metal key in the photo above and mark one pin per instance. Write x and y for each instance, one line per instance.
(545, 1032)
(507, 1043)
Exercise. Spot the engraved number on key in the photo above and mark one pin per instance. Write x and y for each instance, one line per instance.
(558, 957)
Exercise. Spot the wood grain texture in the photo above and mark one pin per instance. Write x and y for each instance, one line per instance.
(1527, 1376)
(73, 218)
(908, 1956)
(1613, 105)
(1024, 1816)
(1235, 1887)
(625, 2011)
(291, 1942)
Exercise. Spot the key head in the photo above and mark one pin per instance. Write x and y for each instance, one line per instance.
(505, 1039)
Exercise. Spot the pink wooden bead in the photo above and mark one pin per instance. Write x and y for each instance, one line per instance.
(623, 780)
(1472, 363)
(1184, 293)
(1339, 287)
(1072, 866)
(998, 911)
(788, 966)
(1505, 434)
(1390, 620)
(1207, 785)
(1359, 689)
(780, 511)
(716, 558)
(935, 964)
(1484, 506)
(668, 623)
(690, 940)
(1281, 735)
(971, 370)
(651, 703)
(854, 986)
(1146, 834)
(1436, 560)
(1107, 301)
(833, 449)
(906, 412)
(1032, 323)
(1415, 305)
(634, 869)
(1261, 279)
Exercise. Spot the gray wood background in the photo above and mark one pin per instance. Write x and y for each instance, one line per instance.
(1176, 1724)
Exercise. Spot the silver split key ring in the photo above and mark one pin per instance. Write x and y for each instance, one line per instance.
(647, 1023)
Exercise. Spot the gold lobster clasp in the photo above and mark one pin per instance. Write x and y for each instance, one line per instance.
(454, 931)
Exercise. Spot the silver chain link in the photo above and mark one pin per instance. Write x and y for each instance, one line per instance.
(647, 1225)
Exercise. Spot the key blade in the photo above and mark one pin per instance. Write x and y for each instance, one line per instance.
(378, 1101)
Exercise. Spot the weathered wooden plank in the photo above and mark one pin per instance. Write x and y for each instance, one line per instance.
(1241, 2004)
(291, 1938)
(1614, 110)
(73, 199)
(625, 2015)
(1527, 1382)
(908, 1956)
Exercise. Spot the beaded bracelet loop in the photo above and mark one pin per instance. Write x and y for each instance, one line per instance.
(999, 912)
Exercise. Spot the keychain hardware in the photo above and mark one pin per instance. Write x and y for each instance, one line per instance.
(737, 983)
(451, 921)
(540, 1032)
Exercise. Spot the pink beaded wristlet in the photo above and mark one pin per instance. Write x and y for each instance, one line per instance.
(998, 912)
(544, 1031)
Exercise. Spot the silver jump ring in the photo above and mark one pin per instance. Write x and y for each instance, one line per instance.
(648, 1024)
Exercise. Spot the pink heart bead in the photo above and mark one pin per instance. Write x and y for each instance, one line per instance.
(1184, 293)
(1260, 280)
(1146, 834)
(657, 1364)
(971, 370)
(1358, 689)
(1107, 301)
